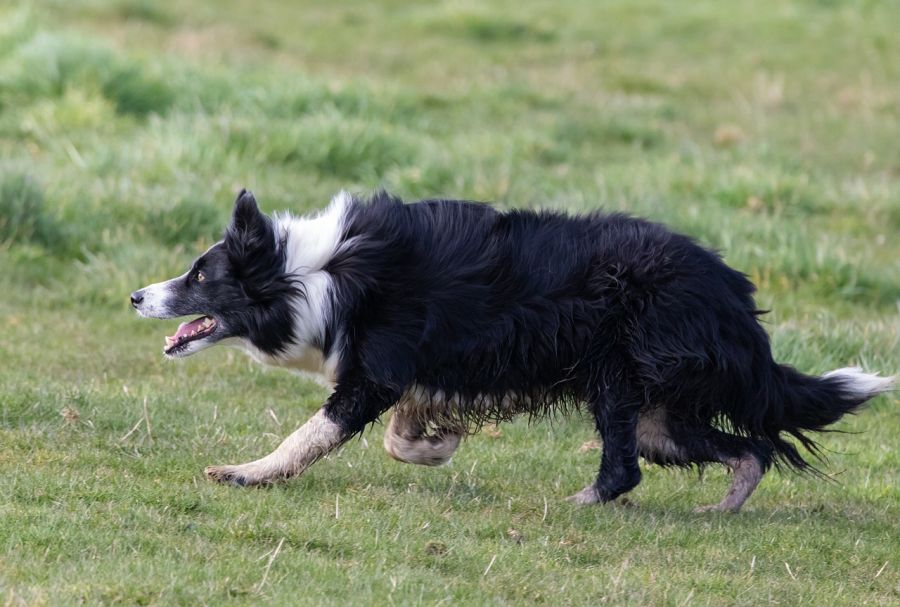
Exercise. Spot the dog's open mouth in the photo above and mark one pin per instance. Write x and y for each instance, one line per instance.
(188, 332)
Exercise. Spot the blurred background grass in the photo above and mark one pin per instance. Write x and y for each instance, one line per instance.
(768, 130)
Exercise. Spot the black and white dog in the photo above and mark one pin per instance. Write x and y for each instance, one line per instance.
(454, 314)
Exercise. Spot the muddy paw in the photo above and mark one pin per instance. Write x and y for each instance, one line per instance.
(231, 475)
(586, 496)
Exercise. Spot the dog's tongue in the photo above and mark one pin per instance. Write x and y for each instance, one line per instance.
(187, 328)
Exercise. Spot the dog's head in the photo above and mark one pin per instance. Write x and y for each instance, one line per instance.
(238, 286)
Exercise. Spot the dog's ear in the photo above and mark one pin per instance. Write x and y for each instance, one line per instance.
(251, 232)
(246, 216)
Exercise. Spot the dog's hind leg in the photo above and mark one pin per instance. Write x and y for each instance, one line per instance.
(748, 458)
(747, 471)
(409, 439)
(685, 444)
(619, 471)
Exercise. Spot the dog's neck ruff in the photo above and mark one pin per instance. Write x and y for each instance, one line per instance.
(309, 242)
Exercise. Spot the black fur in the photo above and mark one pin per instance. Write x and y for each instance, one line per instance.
(489, 315)
(615, 312)
(262, 311)
(245, 288)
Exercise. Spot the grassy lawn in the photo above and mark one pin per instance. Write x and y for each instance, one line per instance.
(770, 130)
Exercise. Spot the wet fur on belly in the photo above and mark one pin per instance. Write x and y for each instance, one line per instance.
(456, 314)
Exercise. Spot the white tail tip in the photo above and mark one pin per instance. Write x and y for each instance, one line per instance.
(860, 383)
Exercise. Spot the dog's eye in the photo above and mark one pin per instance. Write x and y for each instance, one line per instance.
(201, 276)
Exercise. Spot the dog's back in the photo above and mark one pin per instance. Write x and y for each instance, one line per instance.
(474, 301)
(454, 313)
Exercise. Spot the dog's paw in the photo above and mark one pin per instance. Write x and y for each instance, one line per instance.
(239, 476)
(588, 495)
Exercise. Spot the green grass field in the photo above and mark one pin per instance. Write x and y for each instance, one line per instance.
(770, 130)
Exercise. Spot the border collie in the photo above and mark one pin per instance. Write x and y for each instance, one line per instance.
(454, 314)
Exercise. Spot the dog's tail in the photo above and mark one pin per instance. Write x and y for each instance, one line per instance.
(800, 403)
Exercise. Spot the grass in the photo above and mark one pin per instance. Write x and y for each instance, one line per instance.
(767, 130)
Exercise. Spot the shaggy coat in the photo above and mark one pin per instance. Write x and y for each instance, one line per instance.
(455, 314)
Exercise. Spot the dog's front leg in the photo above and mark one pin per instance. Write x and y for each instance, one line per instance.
(310, 442)
(354, 403)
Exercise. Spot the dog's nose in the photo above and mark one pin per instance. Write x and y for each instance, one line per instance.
(136, 298)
